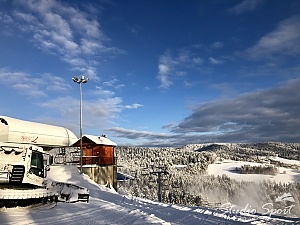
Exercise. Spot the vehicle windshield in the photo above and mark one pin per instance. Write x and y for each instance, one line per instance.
(37, 164)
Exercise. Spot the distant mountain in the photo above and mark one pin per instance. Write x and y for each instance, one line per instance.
(281, 149)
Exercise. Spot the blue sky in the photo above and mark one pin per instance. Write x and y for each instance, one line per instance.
(162, 73)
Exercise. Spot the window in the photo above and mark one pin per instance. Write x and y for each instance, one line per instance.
(37, 164)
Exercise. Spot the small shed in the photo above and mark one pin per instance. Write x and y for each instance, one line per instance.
(97, 150)
(99, 160)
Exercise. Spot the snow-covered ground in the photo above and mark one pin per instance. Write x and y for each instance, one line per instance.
(108, 207)
(286, 161)
(228, 168)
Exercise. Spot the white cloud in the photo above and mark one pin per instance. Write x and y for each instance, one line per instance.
(133, 106)
(197, 61)
(54, 83)
(284, 40)
(89, 28)
(175, 66)
(58, 24)
(217, 45)
(29, 89)
(96, 113)
(73, 35)
(181, 73)
(189, 84)
(103, 92)
(90, 72)
(104, 108)
(28, 85)
(215, 61)
(245, 6)
(183, 56)
(8, 77)
(111, 82)
(164, 81)
(6, 18)
(163, 68)
(25, 16)
(88, 46)
(265, 115)
(135, 134)
(77, 62)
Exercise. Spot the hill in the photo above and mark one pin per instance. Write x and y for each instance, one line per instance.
(209, 174)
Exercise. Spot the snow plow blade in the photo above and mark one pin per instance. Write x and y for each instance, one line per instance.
(69, 192)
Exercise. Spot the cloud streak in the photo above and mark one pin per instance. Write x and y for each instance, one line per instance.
(259, 116)
(51, 93)
(245, 6)
(171, 66)
(265, 115)
(283, 41)
(74, 35)
(37, 87)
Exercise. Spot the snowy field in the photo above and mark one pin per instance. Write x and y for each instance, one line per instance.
(228, 168)
(108, 207)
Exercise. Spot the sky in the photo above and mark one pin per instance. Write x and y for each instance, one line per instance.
(161, 73)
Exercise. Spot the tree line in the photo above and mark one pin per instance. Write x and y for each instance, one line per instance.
(188, 183)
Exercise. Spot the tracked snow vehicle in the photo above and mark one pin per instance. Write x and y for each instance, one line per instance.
(24, 163)
(22, 173)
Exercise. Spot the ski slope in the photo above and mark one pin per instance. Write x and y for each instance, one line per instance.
(108, 207)
(285, 175)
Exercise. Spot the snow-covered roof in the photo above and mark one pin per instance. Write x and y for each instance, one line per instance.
(100, 140)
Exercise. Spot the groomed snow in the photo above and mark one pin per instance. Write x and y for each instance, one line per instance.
(108, 207)
(285, 175)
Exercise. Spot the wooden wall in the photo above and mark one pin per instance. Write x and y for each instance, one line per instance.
(103, 174)
(98, 154)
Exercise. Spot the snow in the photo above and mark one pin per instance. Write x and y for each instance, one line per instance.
(285, 175)
(180, 167)
(286, 161)
(106, 206)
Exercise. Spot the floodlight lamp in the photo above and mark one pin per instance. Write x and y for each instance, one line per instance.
(84, 79)
(75, 79)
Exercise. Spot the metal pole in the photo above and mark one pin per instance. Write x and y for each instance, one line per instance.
(159, 187)
(79, 81)
(81, 152)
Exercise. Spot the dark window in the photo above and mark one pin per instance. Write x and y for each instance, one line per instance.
(37, 164)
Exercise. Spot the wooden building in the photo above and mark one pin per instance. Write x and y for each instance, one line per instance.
(99, 160)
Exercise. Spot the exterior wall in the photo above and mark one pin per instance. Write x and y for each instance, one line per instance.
(98, 154)
(99, 161)
(106, 155)
(102, 174)
(88, 159)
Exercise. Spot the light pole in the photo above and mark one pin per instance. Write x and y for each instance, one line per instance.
(81, 80)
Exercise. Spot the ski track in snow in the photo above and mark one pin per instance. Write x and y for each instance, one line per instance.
(108, 207)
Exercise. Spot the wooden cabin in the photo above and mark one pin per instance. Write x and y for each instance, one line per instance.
(97, 150)
(99, 159)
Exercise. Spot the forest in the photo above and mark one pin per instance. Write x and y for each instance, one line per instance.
(178, 175)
